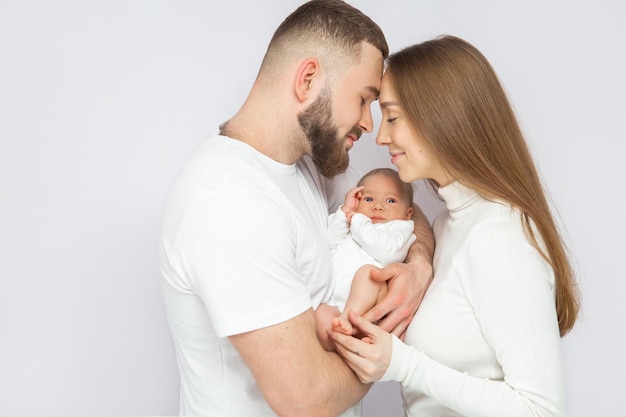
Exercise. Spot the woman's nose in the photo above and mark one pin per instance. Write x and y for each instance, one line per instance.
(382, 138)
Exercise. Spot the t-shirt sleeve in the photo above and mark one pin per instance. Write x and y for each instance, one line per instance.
(238, 251)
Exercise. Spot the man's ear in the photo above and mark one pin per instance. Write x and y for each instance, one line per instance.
(308, 71)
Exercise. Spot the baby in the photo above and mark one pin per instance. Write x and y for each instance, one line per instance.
(371, 229)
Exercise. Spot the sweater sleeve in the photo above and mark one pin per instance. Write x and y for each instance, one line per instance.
(386, 242)
(511, 289)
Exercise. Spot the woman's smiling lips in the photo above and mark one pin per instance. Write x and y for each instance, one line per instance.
(395, 156)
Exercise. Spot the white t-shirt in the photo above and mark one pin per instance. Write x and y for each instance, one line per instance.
(485, 340)
(243, 246)
(362, 242)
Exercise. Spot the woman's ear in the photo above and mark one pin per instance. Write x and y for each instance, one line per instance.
(308, 70)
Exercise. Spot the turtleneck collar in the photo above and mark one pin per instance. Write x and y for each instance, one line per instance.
(457, 196)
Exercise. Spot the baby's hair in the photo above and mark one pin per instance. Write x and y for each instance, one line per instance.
(405, 188)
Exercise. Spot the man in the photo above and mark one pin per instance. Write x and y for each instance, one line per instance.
(244, 253)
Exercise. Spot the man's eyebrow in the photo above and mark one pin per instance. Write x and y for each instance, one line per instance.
(385, 104)
(375, 91)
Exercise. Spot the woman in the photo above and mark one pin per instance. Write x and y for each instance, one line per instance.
(485, 341)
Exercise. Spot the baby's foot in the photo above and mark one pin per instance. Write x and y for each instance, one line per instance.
(341, 324)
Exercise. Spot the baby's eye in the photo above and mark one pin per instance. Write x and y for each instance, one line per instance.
(368, 199)
(391, 200)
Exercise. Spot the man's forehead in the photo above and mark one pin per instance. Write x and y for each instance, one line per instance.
(368, 76)
(372, 61)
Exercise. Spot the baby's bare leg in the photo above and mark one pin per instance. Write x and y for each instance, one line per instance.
(364, 294)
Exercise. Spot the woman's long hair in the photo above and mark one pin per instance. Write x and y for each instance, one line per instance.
(456, 103)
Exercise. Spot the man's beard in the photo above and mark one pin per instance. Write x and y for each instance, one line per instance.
(328, 151)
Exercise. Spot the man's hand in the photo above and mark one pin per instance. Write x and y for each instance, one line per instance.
(407, 284)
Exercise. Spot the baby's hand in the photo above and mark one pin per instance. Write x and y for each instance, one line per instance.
(353, 198)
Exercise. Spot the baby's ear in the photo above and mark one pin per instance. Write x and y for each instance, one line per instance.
(409, 213)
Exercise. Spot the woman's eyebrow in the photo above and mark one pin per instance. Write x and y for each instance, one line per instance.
(386, 104)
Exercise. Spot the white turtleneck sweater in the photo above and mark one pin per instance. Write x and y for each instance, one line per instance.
(485, 340)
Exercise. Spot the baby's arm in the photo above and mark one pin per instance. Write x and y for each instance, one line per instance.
(339, 222)
(386, 242)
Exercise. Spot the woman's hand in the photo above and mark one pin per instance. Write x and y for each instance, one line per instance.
(369, 357)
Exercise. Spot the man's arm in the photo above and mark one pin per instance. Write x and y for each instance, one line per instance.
(408, 282)
(424, 247)
(420, 255)
(295, 374)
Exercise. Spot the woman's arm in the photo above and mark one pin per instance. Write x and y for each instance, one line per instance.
(510, 287)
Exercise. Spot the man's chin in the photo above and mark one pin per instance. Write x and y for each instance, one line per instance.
(331, 170)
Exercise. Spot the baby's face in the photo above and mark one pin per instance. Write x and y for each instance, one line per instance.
(382, 201)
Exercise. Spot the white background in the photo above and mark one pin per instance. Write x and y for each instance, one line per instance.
(102, 101)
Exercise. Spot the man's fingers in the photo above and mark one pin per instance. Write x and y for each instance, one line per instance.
(387, 309)
(400, 329)
(394, 322)
(377, 275)
(377, 312)
(383, 274)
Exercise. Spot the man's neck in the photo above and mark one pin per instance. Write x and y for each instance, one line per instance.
(278, 143)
